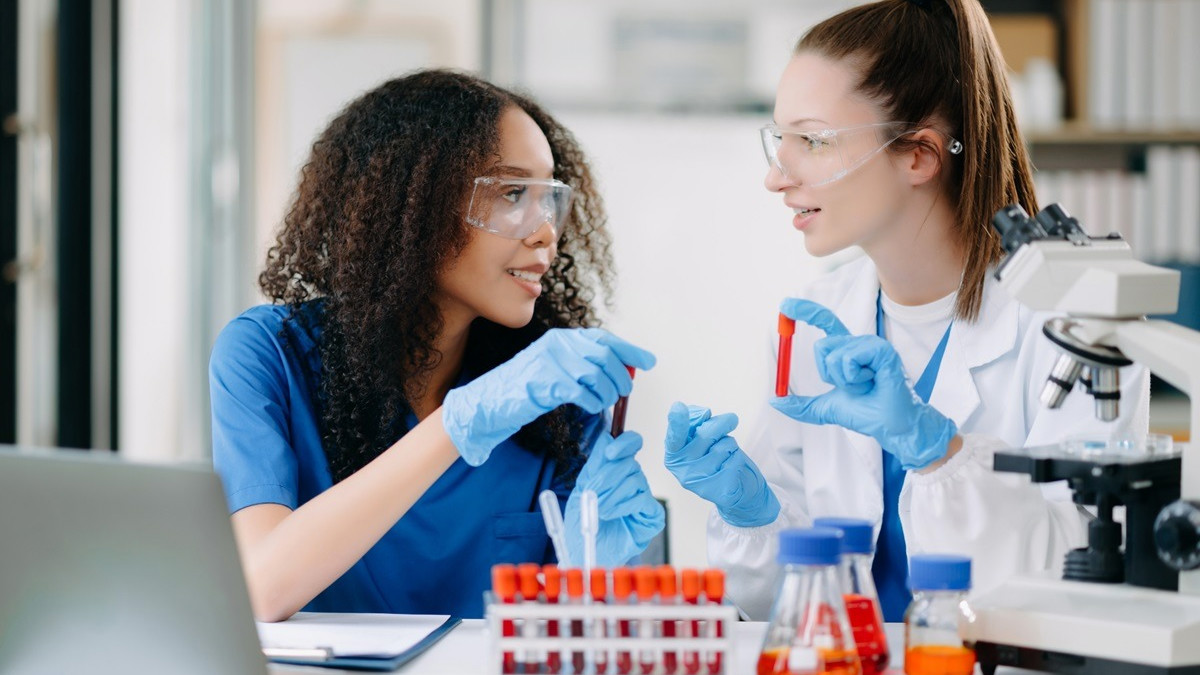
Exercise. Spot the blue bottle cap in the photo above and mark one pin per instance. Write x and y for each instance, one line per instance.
(939, 573)
(810, 546)
(857, 535)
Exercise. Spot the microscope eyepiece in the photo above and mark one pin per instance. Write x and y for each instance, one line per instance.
(1016, 227)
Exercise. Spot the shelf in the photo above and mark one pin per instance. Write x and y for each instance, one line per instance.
(1082, 134)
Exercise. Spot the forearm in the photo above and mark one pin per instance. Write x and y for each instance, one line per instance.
(289, 562)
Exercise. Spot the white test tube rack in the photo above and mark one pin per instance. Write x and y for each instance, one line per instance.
(565, 644)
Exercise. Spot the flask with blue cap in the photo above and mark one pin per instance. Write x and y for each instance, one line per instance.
(938, 623)
(809, 632)
(862, 600)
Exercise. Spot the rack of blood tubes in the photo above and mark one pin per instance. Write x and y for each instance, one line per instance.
(625, 621)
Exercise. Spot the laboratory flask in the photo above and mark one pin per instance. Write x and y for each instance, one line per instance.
(862, 601)
(938, 624)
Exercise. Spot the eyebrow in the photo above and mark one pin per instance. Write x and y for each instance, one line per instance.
(803, 120)
(515, 171)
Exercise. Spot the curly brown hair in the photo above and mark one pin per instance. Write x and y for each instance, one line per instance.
(379, 211)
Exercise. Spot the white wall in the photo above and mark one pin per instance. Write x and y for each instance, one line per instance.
(704, 254)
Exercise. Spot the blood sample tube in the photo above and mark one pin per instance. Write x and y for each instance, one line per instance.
(690, 584)
(646, 584)
(618, 422)
(504, 585)
(575, 597)
(529, 661)
(668, 592)
(622, 589)
(552, 578)
(599, 595)
(783, 366)
(714, 591)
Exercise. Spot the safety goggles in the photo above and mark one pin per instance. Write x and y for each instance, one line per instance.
(515, 208)
(820, 157)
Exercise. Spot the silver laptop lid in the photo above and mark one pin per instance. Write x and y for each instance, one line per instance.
(114, 567)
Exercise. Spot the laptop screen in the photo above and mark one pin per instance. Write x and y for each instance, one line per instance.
(109, 566)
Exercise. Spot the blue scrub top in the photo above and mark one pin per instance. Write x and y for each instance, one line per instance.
(267, 449)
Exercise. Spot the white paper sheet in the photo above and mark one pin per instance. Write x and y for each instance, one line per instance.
(366, 635)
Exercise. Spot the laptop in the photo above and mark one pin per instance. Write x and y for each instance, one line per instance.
(108, 566)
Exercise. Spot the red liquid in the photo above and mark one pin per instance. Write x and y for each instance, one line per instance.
(869, 638)
(670, 663)
(577, 656)
(830, 662)
(783, 366)
(939, 660)
(624, 657)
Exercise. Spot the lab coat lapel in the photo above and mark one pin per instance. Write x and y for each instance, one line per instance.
(971, 345)
(858, 313)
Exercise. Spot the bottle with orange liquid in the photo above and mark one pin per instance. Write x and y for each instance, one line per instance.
(809, 632)
(862, 601)
(937, 625)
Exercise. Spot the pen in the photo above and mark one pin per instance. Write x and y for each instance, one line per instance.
(299, 653)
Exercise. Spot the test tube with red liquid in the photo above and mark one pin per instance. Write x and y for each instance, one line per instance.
(618, 421)
(783, 366)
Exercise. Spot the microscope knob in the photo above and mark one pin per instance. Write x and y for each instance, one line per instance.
(1177, 535)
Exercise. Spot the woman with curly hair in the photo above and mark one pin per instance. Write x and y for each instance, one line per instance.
(384, 428)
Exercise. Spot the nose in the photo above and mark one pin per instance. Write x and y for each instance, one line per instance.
(776, 180)
(545, 235)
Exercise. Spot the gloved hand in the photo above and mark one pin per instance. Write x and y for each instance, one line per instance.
(629, 515)
(870, 395)
(584, 366)
(707, 460)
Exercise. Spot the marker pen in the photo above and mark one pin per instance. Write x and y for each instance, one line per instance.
(504, 585)
(714, 591)
(783, 366)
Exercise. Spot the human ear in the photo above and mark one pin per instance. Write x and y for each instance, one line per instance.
(925, 159)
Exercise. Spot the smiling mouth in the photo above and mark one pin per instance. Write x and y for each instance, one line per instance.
(525, 276)
(805, 212)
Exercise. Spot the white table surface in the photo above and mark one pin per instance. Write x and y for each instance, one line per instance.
(464, 651)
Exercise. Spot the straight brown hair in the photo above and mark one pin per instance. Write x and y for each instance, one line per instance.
(937, 63)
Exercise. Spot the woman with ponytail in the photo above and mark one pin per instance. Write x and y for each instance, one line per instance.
(894, 132)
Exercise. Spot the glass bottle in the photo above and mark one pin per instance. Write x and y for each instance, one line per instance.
(862, 601)
(937, 625)
(809, 632)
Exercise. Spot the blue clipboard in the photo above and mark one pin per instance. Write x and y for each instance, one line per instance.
(376, 663)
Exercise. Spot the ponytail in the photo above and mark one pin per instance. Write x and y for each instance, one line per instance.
(937, 62)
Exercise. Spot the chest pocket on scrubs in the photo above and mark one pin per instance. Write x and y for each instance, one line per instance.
(519, 537)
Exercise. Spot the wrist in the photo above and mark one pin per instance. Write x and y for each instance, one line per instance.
(952, 449)
(762, 513)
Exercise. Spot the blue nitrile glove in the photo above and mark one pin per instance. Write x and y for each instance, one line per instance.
(870, 394)
(707, 460)
(629, 515)
(584, 366)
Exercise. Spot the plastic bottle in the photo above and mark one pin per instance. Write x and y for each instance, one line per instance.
(862, 601)
(809, 632)
(937, 625)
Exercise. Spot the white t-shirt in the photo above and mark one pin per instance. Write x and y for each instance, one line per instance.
(916, 330)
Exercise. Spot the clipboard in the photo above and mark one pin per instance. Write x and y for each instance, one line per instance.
(324, 657)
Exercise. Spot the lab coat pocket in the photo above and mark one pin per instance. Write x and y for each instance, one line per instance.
(520, 537)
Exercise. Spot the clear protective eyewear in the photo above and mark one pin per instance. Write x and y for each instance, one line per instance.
(820, 157)
(515, 208)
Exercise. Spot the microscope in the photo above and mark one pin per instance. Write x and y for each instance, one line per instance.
(1133, 609)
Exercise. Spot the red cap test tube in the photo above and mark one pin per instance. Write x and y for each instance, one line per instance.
(504, 585)
(783, 366)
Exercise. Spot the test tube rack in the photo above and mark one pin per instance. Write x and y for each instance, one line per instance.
(532, 646)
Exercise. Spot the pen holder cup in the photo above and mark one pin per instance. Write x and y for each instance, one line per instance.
(609, 639)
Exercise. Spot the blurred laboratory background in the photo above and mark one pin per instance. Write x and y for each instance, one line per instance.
(149, 148)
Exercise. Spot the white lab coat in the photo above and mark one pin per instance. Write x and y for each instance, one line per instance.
(990, 379)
